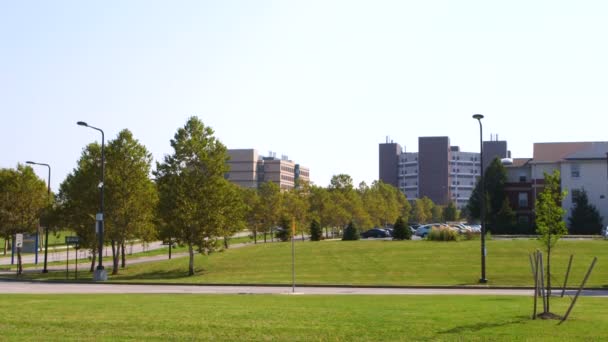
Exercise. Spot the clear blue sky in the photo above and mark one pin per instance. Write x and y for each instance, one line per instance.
(321, 81)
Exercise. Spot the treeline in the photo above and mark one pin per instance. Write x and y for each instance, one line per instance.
(187, 199)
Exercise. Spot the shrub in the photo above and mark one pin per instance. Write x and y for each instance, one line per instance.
(350, 233)
(315, 231)
(401, 231)
(469, 235)
(442, 234)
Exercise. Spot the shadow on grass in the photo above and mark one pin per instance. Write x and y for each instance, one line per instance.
(483, 325)
(159, 275)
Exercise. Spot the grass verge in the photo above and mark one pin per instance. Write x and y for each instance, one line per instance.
(361, 263)
(293, 318)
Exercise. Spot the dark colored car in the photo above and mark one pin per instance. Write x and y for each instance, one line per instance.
(375, 233)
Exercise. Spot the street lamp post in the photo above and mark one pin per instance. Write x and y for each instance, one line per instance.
(100, 272)
(482, 196)
(46, 227)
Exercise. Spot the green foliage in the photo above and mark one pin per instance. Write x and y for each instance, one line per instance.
(131, 195)
(549, 212)
(350, 233)
(495, 177)
(505, 219)
(78, 197)
(422, 210)
(437, 213)
(549, 221)
(270, 206)
(584, 217)
(23, 197)
(451, 213)
(442, 234)
(284, 233)
(197, 204)
(401, 231)
(315, 231)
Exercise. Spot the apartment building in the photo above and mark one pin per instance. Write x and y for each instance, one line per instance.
(249, 169)
(582, 165)
(438, 170)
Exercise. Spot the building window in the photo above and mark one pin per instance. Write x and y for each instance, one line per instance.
(522, 178)
(575, 170)
(523, 220)
(523, 199)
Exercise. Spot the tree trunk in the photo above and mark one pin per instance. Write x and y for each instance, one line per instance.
(191, 262)
(115, 256)
(94, 252)
(226, 242)
(264, 237)
(326, 233)
(124, 258)
(302, 236)
(255, 236)
(5, 245)
(19, 264)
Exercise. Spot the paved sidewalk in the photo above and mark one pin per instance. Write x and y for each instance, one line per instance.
(14, 287)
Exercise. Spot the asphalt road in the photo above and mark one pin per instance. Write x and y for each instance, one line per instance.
(14, 287)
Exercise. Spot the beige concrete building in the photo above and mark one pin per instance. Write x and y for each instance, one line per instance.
(249, 169)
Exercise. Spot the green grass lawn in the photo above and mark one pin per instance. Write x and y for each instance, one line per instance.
(293, 318)
(375, 263)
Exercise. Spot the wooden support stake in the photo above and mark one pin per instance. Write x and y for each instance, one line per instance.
(542, 281)
(567, 274)
(535, 285)
(579, 291)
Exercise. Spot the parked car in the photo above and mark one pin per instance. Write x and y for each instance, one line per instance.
(375, 233)
(424, 230)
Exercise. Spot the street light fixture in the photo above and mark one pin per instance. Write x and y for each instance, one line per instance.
(46, 228)
(100, 272)
(482, 199)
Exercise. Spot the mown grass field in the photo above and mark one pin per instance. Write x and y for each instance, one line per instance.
(396, 263)
(293, 318)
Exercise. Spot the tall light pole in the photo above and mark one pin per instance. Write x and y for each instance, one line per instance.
(482, 199)
(46, 227)
(100, 272)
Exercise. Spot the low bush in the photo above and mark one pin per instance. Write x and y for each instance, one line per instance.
(442, 234)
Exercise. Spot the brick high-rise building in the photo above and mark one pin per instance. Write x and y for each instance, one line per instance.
(249, 169)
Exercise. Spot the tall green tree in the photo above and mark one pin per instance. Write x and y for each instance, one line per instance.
(252, 211)
(23, 198)
(422, 210)
(351, 232)
(315, 231)
(296, 207)
(194, 196)
(550, 225)
(584, 217)
(321, 207)
(450, 213)
(401, 231)
(78, 199)
(437, 213)
(495, 178)
(271, 207)
(131, 196)
(505, 218)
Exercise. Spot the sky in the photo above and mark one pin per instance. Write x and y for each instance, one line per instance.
(323, 82)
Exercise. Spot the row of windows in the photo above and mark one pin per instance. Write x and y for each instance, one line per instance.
(287, 168)
(287, 178)
(458, 183)
(474, 171)
(458, 158)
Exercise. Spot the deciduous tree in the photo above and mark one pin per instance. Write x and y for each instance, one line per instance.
(549, 219)
(194, 196)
